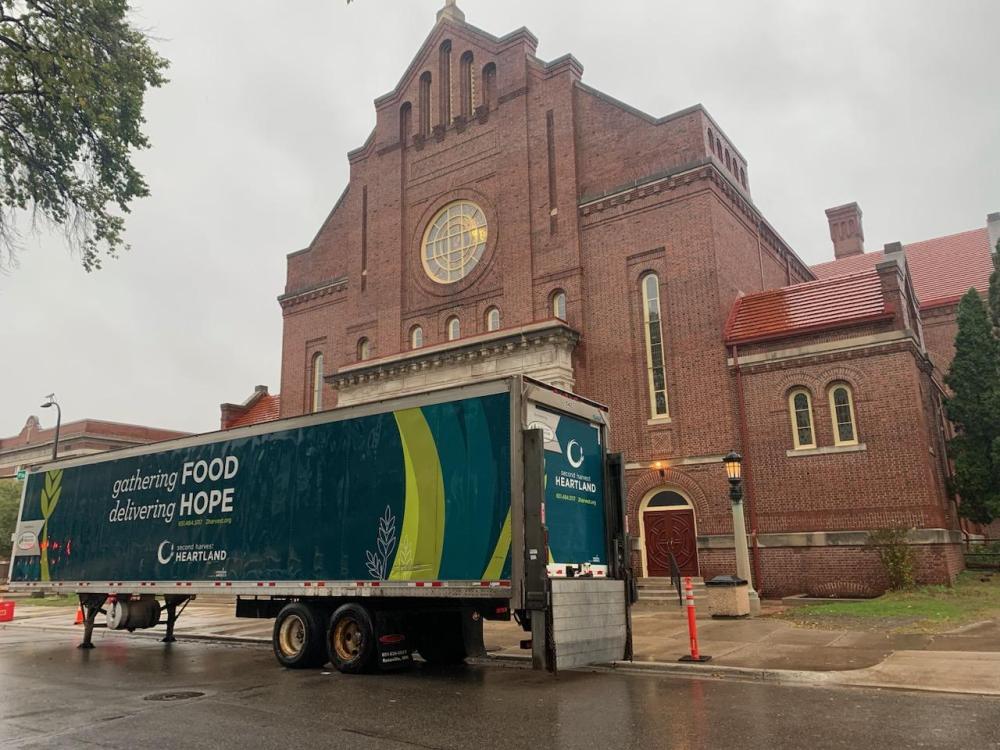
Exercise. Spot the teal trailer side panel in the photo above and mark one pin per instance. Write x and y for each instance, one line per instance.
(574, 491)
(416, 494)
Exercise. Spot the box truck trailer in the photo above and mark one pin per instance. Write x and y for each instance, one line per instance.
(367, 532)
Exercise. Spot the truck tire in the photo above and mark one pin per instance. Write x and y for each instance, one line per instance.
(298, 637)
(350, 639)
(441, 639)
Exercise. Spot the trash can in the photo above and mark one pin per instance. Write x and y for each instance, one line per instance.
(728, 597)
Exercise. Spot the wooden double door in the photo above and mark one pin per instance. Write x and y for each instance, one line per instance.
(666, 531)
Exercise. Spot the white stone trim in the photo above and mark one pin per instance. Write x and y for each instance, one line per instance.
(824, 450)
(915, 537)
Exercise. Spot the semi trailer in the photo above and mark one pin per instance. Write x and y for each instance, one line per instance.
(367, 532)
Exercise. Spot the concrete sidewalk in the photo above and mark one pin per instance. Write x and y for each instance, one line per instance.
(966, 660)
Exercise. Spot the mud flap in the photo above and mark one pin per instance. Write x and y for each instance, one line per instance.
(392, 642)
(472, 633)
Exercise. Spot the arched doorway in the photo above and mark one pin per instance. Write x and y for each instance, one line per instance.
(668, 525)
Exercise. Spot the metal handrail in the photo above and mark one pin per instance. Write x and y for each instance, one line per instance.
(675, 578)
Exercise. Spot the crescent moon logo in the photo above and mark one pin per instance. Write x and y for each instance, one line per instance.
(165, 556)
(576, 463)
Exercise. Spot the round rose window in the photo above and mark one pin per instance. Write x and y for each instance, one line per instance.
(454, 242)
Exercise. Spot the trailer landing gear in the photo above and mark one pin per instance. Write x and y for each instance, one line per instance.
(173, 601)
(91, 604)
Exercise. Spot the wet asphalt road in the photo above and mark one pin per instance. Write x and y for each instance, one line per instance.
(53, 695)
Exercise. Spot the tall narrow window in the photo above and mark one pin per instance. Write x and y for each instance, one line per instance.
(425, 103)
(490, 85)
(800, 411)
(842, 413)
(316, 403)
(559, 304)
(711, 140)
(653, 330)
(444, 78)
(416, 337)
(465, 83)
(493, 319)
(364, 349)
(405, 114)
(454, 328)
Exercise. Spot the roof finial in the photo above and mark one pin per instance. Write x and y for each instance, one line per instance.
(451, 11)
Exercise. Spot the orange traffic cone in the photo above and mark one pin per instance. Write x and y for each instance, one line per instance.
(79, 616)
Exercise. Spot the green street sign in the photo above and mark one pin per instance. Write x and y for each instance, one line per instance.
(21, 474)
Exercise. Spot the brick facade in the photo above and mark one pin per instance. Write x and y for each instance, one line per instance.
(586, 195)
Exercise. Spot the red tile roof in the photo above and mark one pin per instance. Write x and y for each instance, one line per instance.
(803, 308)
(942, 269)
(265, 409)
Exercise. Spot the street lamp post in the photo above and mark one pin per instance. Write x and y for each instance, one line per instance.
(734, 472)
(52, 402)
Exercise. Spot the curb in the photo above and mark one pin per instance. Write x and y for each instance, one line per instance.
(845, 679)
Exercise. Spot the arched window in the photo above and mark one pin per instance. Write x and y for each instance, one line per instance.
(405, 115)
(711, 140)
(453, 327)
(729, 163)
(444, 77)
(842, 414)
(465, 83)
(743, 177)
(492, 319)
(490, 85)
(425, 103)
(718, 144)
(559, 304)
(801, 413)
(416, 337)
(316, 402)
(364, 349)
(653, 331)
(668, 499)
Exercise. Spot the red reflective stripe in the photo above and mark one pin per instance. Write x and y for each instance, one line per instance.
(436, 584)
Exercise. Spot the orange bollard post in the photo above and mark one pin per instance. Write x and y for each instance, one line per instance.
(695, 654)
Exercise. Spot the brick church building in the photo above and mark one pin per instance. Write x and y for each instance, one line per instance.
(503, 216)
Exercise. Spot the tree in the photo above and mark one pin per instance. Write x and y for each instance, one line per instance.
(73, 77)
(974, 409)
(10, 503)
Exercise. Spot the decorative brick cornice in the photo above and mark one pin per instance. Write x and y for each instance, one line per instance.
(706, 169)
(324, 289)
(485, 346)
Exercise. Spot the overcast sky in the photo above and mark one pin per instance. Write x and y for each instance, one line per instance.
(893, 104)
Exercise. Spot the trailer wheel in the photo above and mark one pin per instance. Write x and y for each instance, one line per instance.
(350, 639)
(298, 637)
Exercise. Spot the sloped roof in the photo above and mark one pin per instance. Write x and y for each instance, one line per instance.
(942, 269)
(265, 409)
(803, 308)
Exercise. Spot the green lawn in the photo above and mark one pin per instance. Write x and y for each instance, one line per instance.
(924, 609)
(50, 601)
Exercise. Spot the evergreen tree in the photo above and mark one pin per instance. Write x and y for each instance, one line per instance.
(974, 409)
(995, 291)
